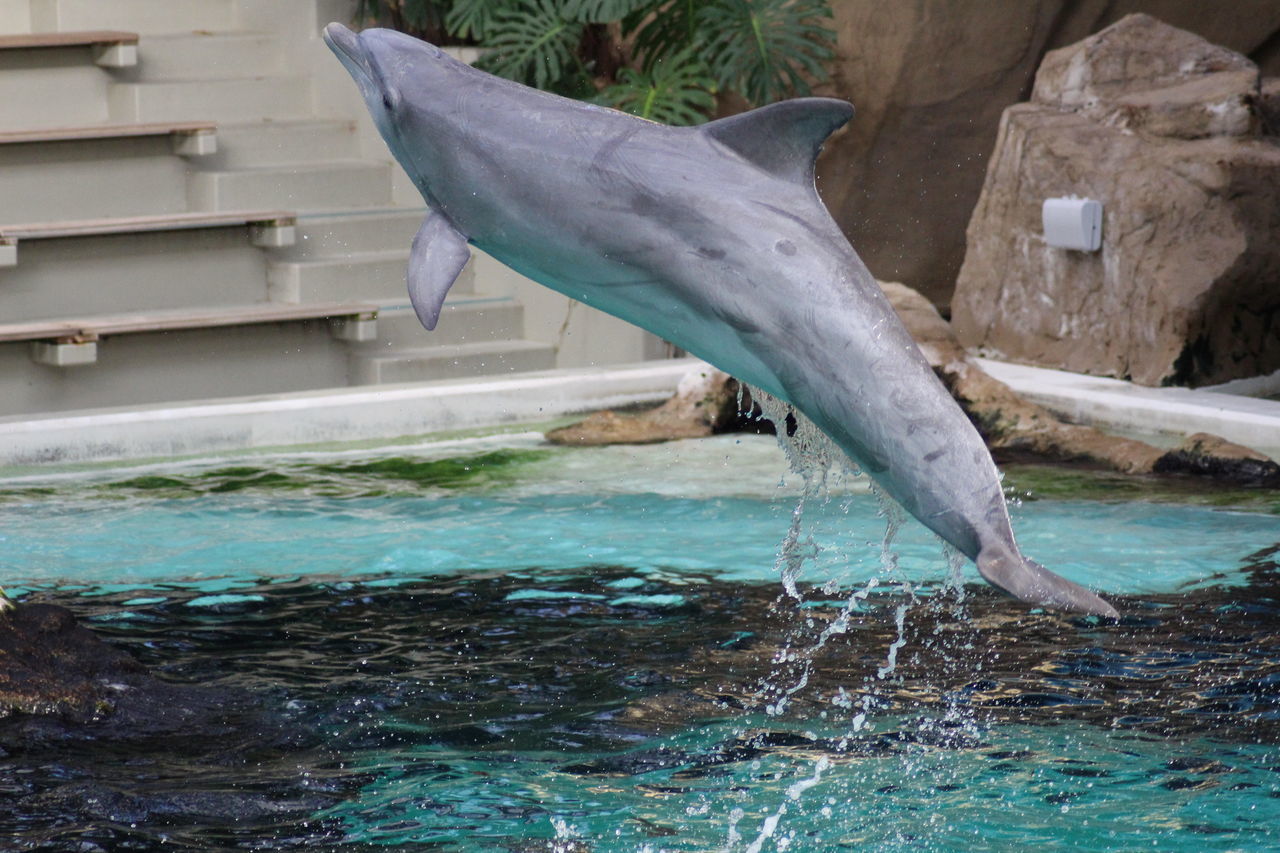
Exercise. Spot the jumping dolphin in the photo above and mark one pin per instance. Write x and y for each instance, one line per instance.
(713, 238)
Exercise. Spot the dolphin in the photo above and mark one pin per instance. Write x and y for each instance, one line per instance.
(711, 237)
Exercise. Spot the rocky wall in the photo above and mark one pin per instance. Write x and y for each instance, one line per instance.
(1165, 129)
(930, 79)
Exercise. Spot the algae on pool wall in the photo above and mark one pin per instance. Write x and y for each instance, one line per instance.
(389, 476)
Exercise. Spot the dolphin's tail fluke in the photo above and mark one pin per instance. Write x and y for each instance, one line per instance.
(1027, 580)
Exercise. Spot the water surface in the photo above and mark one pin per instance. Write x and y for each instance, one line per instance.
(512, 647)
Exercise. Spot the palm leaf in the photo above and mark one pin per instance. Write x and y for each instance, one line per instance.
(677, 90)
(767, 49)
(663, 27)
(533, 43)
(471, 19)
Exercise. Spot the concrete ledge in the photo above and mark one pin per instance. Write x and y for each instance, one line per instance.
(1112, 404)
(333, 415)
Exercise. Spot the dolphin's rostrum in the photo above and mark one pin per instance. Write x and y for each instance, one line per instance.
(713, 238)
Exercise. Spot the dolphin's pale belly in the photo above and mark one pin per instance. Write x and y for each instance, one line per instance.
(645, 299)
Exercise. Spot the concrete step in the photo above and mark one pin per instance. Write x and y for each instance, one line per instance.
(465, 319)
(141, 16)
(236, 100)
(133, 370)
(275, 143)
(51, 88)
(377, 276)
(337, 235)
(117, 273)
(453, 361)
(345, 184)
(91, 179)
(207, 55)
(369, 276)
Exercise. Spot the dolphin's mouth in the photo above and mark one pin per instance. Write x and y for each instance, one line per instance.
(346, 46)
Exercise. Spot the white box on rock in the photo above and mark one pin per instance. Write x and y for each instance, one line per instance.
(1073, 223)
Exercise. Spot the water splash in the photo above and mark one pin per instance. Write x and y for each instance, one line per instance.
(794, 791)
(820, 463)
(565, 840)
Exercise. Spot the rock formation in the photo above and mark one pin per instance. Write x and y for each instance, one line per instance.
(706, 402)
(930, 80)
(1015, 428)
(1166, 130)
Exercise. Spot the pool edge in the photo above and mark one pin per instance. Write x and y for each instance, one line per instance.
(342, 415)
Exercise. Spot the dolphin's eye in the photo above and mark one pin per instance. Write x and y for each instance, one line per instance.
(386, 102)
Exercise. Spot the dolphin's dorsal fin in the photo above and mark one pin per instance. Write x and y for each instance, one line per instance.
(438, 255)
(783, 138)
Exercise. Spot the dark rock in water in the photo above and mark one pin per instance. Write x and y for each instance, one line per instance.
(707, 401)
(50, 665)
(1211, 456)
(59, 681)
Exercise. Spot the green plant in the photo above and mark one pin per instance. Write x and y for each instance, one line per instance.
(674, 89)
(660, 59)
(765, 49)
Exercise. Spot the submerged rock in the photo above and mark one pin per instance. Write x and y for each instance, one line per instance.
(51, 666)
(1168, 131)
(59, 681)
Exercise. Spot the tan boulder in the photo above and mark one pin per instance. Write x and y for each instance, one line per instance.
(1017, 429)
(1183, 290)
(1143, 75)
(706, 402)
(930, 79)
(710, 401)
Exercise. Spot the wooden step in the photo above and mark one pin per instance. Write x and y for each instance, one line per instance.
(89, 328)
(270, 228)
(111, 48)
(189, 137)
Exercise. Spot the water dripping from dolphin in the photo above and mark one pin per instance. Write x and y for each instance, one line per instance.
(713, 238)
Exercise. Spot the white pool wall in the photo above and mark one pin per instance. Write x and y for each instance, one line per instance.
(1161, 415)
(399, 412)
(384, 412)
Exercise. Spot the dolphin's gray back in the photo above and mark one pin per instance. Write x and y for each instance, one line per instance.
(694, 216)
(713, 238)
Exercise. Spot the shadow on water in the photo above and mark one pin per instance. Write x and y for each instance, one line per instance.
(506, 711)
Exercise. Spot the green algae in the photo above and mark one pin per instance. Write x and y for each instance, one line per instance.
(1055, 482)
(492, 468)
(392, 476)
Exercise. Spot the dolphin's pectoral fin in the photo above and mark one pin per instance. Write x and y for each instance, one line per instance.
(438, 255)
(783, 138)
(1029, 581)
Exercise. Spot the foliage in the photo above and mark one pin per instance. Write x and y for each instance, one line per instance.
(660, 59)
(674, 90)
(534, 42)
(765, 49)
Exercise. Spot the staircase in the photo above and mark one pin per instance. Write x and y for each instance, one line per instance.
(194, 204)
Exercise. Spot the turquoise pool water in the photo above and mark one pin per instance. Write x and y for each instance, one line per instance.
(500, 646)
